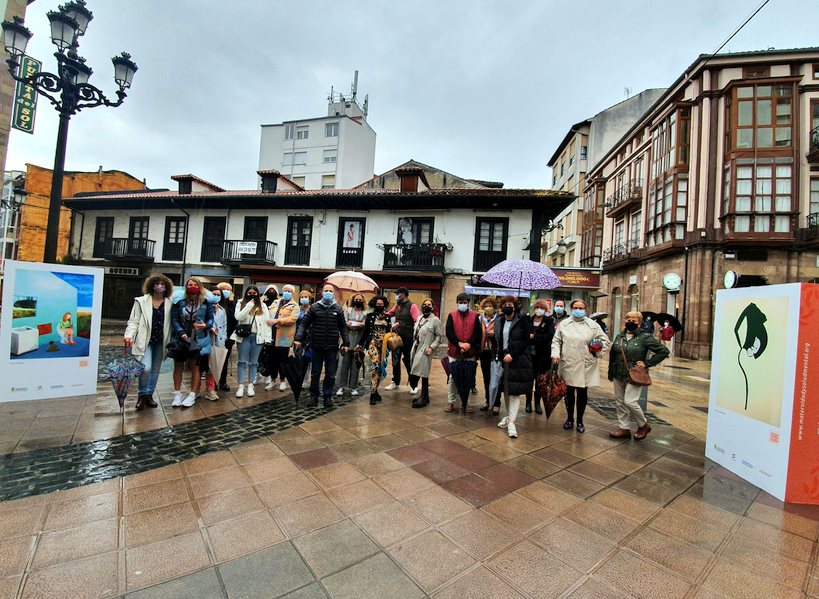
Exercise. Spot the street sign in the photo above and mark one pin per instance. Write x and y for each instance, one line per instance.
(245, 247)
(25, 97)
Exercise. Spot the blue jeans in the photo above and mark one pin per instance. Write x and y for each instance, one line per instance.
(248, 360)
(329, 359)
(152, 360)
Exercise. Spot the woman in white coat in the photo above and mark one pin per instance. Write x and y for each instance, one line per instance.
(575, 347)
(251, 333)
(426, 338)
(148, 332)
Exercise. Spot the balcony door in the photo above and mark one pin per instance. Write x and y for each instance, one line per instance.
(299, 237)
(102, 236)
(213, 238)
(255, 228)
(175, 231)
(491, 236)
(415, 230)
(350, 252)
(138, 235)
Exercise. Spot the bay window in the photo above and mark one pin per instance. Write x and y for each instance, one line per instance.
(760, 199)
(763, 116)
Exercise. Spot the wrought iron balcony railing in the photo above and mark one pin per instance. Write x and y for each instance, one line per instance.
(248, 251)
(125, 248)
(628, 193)
(415, 256)
(620, 250)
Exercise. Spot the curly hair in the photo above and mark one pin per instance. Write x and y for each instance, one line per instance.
(509, 299)
(155, 277)
(375, 298)
(489, 301)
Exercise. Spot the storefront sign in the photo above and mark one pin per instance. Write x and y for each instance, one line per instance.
(577, 277)
(246, 247)
(497, 291)
(25, 97)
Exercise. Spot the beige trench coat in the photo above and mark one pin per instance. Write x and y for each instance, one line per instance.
(578, 366)
(429, 334)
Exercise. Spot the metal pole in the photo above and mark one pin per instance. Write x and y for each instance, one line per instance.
(56, 200)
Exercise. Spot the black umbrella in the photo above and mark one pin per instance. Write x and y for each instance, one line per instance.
(672, 320)
(649, 315)
(463, 373)
(291, 368)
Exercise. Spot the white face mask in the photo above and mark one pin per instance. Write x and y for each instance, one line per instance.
(539, 311)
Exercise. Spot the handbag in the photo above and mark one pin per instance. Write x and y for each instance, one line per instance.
(440, 352)
(637, 375)
(243, 330)
(394, 341)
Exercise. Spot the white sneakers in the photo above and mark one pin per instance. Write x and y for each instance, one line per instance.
(340, 392)
(250, 390)
(269, 386)
(283, 386)
(413, 390)
(211, 395)
(177, 399)
(189, 400)
(504, 422)
(513, 432)
(391, 387)
(354, 392)
(240, 391)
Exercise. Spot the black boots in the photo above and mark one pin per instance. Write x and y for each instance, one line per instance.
(528, 405)
(538, 409)
(421, 401)
(374, 398)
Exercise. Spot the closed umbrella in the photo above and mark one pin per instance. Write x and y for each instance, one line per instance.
(495, 378)
(122, 371)
(216, 360)
(293, 372)
(463, 373)
(352, 280)
(523, 274)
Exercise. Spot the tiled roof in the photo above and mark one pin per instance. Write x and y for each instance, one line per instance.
(195, 178)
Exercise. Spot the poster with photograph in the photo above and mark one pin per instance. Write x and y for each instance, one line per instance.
(351, 234)
(49, 330)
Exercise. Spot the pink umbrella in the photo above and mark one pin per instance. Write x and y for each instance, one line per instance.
(523, 274)
(352, 280)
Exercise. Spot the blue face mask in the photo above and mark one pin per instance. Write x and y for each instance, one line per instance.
(304, 301)
(559, 311)
(578, 313)
(287, 295)
(327, 297)
(226, 293)
(397, 298)
(463, 307)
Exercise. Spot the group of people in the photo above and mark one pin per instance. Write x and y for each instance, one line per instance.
(342, 341)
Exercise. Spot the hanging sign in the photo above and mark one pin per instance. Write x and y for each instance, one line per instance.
(25, 97)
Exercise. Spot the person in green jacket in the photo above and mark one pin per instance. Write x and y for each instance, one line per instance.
(636, 343)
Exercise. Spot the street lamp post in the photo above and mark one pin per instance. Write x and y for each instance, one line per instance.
(68, 90)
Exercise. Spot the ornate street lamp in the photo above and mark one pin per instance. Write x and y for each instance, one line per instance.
(68, 90)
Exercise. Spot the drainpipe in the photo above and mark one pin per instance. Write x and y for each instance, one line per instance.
(184, 242)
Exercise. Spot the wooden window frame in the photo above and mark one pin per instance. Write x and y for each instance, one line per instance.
(98, 248)
(733, 106)
(298, 254)
(730, 213)
(478, 253)
(166, 242)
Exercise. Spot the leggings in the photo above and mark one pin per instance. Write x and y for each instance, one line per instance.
(582, 398)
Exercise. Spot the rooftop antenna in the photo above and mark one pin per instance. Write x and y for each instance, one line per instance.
(366, 104)
(627, 91)
(355, 85)
(330, 97)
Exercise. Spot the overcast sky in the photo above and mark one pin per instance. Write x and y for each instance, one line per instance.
(483, 89)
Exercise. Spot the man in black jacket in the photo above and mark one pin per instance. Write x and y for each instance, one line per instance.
(324, 323)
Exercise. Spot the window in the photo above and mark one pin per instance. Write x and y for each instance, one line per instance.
(814, 123)
(302, 132)
(562, 168)
(174, 244)
(636, 226)
(331, 130)
(294, 158)
(667, 210)
(571, 160)
(138, 235)
(330, 156)
(299, 235)
(350, 252)
(814, 197)
(619, 236)
(763, 116)
(760, 199)
(328, 181)
(102, 236)
(298, 181)
(816, 70)
(288, 131)
(213, 238)
(490, 242)
(415, 230)
(255, 228)
(755, 72)
(584, 152)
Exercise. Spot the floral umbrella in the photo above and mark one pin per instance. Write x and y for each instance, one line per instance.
(523, 274)
(122, 371)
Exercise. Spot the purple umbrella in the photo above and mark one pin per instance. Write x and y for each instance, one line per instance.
(523, 274)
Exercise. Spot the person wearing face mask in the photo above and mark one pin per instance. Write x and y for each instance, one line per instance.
(577, 363)
(250, 335)
(270, 295)
(426, 338)
(148, 332)
(513, 339)
(636, 343)
(543, 331)
(464, 334)
(284, 313)
(376, 326)
(406, 315)
(354, 314)
(559, 313)
(218, 339)
(191, 318)
(326, 325)
(488, 316)
(229, 305)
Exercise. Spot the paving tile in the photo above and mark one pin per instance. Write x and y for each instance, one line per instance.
(431, 559)
(640, 578)
(518, 512)
(775, 539)
(22, 522)
(71, 513)
(319, 425)
(572, 543)
(379, 463)
(662, 478)
(334, 547)
(480, 534)
(243, 535)
(34, 501)
(732, 581)
(474, 489)
(306, 515)
(411, 455)
(435, 505)
(404, 482)
(315, 458)
(92, 578)
(336, 475)
(478, 584)
(157, 562)
(695, 508)
(467, 439)
(793, 523)
(628, 505)
(574, 484)
(388, 442)
(287, 489)
(356, 449)
(553, 499)
(706, 535)
(261, 450)
(600, 519)
(592, 589)
(150, 477)
(534, 571)
(202, 585)
(439, 469)
(597, 473)
(359, 497)
(9, 586)
(209, 462)
(417, 435)
(764, 562)
(311, 591)
(85, 491)
(160, 523)
(374, 578)
(506, 477)
(75, 543)
(267, 573)
(644, 490)
(218, 481)
(335, 437)
(14, 555)
(390, 523)
(297, 445)
(265, 470)
(685, 560)
(614, 462)
(155, 495)
(498, 452)
(532, 466)
(224, 506)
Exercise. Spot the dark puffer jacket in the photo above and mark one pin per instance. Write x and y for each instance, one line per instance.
(519, 373)
(324, 324)
(636, 349)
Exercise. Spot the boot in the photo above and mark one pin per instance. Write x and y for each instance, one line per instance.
(538, 409)
(421, 401)
(528, 405)
(140, 402)
(642, 432)
(149, 401)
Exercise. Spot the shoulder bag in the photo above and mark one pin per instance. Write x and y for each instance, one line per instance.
(637, 375)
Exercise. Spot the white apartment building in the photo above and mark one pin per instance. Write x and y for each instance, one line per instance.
(336, 151)
(9, 219)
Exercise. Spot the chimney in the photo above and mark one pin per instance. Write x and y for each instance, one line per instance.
(270, 180)
(185, 183)
(409, 179)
